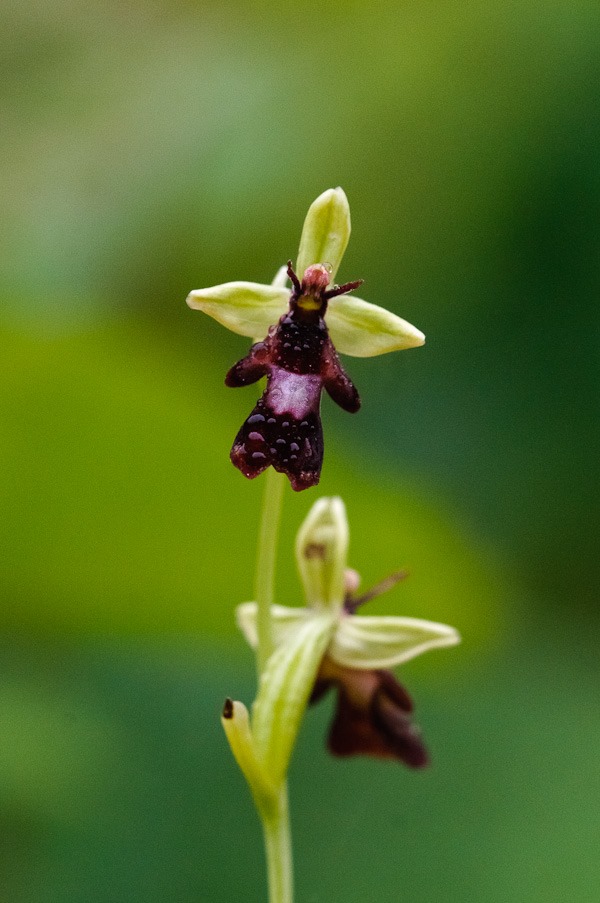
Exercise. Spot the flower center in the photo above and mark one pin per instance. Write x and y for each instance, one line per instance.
(314, 282)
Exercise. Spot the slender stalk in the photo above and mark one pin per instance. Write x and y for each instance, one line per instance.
(275, 817)
(265, 565)
(278, 848)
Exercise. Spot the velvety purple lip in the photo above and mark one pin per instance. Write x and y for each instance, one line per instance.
(293, 393)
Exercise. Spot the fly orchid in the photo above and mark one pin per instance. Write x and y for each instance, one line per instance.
(304, 325)
(326, 644)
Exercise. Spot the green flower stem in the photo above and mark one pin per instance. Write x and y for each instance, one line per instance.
(278, 847)
(275, 815)
(265, 564)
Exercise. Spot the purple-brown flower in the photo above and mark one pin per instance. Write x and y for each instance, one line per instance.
(298, 356)
(299, 360)
(372, 715)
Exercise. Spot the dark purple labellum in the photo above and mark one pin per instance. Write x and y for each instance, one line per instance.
(372, 715)
(299, 361)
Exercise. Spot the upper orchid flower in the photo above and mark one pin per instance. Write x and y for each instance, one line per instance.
(304, 325)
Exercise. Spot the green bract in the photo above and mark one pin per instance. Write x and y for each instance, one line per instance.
(356, 327)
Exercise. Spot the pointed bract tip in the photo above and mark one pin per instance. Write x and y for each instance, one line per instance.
(228, 709)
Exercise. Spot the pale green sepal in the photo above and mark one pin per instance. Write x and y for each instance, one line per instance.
(285, 686)
(382, 642)
(325, 233)
(365, 330)
(238, 733)
(247, 308)
(284, 622)
(280, 279)
(321, 552)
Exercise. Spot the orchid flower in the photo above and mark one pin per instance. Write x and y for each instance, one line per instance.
(326, 644)
(303, 326)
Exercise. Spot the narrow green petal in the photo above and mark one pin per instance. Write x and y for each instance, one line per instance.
(247, 308)
(379, 642)
(321, 552)
(285, 686)
(284, 622)
(365, 330)
(325, 233)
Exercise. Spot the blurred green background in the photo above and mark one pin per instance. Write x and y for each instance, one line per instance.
(148, 148)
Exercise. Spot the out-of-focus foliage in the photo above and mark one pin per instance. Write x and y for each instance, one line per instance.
(126, 512)
(152, 147)
(148, 148)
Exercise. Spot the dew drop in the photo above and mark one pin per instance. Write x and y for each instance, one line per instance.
(258, 456)
(256, 418)
(285, 423)
(271, 420)
(256, 437)
(293, 446)
(280, 442)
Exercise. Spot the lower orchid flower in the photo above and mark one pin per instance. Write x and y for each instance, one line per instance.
(326, 644)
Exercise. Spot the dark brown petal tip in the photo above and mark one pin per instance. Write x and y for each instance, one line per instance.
(228, 708)
(403, 738)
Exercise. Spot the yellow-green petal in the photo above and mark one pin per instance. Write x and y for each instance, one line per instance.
(365, 330)
(247, 308)
(384, 642)
(326, 232)
(284, 622)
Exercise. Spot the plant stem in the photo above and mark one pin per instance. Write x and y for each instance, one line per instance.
(276, 821)
(278, 848)
(264, 585)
